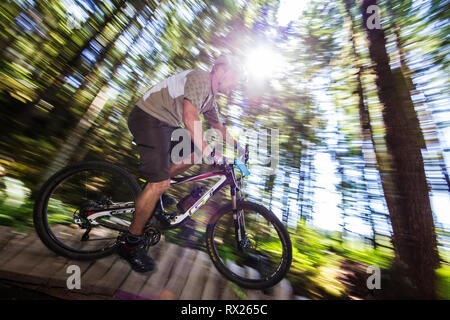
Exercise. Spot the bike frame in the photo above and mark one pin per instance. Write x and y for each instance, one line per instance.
(226, 176)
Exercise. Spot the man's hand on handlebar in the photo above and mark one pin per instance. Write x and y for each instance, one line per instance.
(215, 159)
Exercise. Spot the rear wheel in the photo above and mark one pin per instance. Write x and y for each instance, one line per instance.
(82, 209)
(266, 255)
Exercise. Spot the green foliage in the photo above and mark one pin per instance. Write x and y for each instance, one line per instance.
(443, 282)
(50, 74)
(19, 217)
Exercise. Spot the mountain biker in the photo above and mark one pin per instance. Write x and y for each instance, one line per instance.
(177, 100)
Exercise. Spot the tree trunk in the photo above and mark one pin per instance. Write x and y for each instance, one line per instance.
(48, 93)
(285, 197)
(409, 206)
(301, 183)
(92, 136)
(104, 51)
(71, 143)
(95, 107)
(119, 62)
(368, 143)
(426, 115)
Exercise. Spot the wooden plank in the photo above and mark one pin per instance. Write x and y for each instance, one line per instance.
(179, 276)
(45, 263)
(120, 272)
(60, 264)
(283, 291)
(253, 294)
(229, 293)
(19, 267)
(133, 284)
(67, 294)
(59, 293)
(159, 278)
(301, 298)
(212, 288)
(17, 244)
(59, 278)
(95, 272)
(197, 277)
(111, 281)
(36, 263)
(6, 234)
(46, 268)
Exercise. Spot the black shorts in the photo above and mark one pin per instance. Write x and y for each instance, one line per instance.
(153, 138)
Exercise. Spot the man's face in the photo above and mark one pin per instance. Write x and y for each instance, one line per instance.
(228, 82)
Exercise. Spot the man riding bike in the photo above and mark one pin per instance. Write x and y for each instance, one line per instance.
(177, 100)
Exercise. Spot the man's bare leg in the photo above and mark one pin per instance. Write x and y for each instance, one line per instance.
(147, 199)
(133, 249)
(145, 204)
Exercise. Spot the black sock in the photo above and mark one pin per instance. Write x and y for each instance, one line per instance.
(132, 239)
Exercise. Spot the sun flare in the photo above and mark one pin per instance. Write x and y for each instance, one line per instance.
(264, 63)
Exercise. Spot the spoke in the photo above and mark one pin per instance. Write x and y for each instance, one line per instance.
(80, 193)
(262, 253)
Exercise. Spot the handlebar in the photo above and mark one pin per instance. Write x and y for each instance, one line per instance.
(245, 156)
(242, 166)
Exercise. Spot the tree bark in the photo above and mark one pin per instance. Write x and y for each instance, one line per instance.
(94, 109)
(104, 51)
(71, 143)
(48, 93)
(409, 206)
(426, 115)
(368, 144)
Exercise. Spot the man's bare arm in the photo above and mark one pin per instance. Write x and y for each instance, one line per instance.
(219, 127)
(190, 116)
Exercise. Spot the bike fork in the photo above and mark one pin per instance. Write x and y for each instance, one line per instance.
(239, 223)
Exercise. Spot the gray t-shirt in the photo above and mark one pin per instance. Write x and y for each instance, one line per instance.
(164, 101)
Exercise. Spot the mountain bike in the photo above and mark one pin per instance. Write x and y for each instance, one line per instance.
(84, 210)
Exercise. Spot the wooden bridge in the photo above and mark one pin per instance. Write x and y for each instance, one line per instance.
(182, 273)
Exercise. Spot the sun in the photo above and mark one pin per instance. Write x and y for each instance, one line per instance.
(290, 10)
(263, 62)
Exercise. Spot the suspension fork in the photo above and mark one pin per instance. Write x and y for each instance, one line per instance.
(239, 222)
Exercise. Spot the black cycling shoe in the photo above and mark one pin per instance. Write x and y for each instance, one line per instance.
(133, 250)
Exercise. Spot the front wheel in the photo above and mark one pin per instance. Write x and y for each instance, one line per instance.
(263, 256)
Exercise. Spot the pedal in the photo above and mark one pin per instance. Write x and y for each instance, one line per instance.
(165, 217)
(162, 215)
(170, 215)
